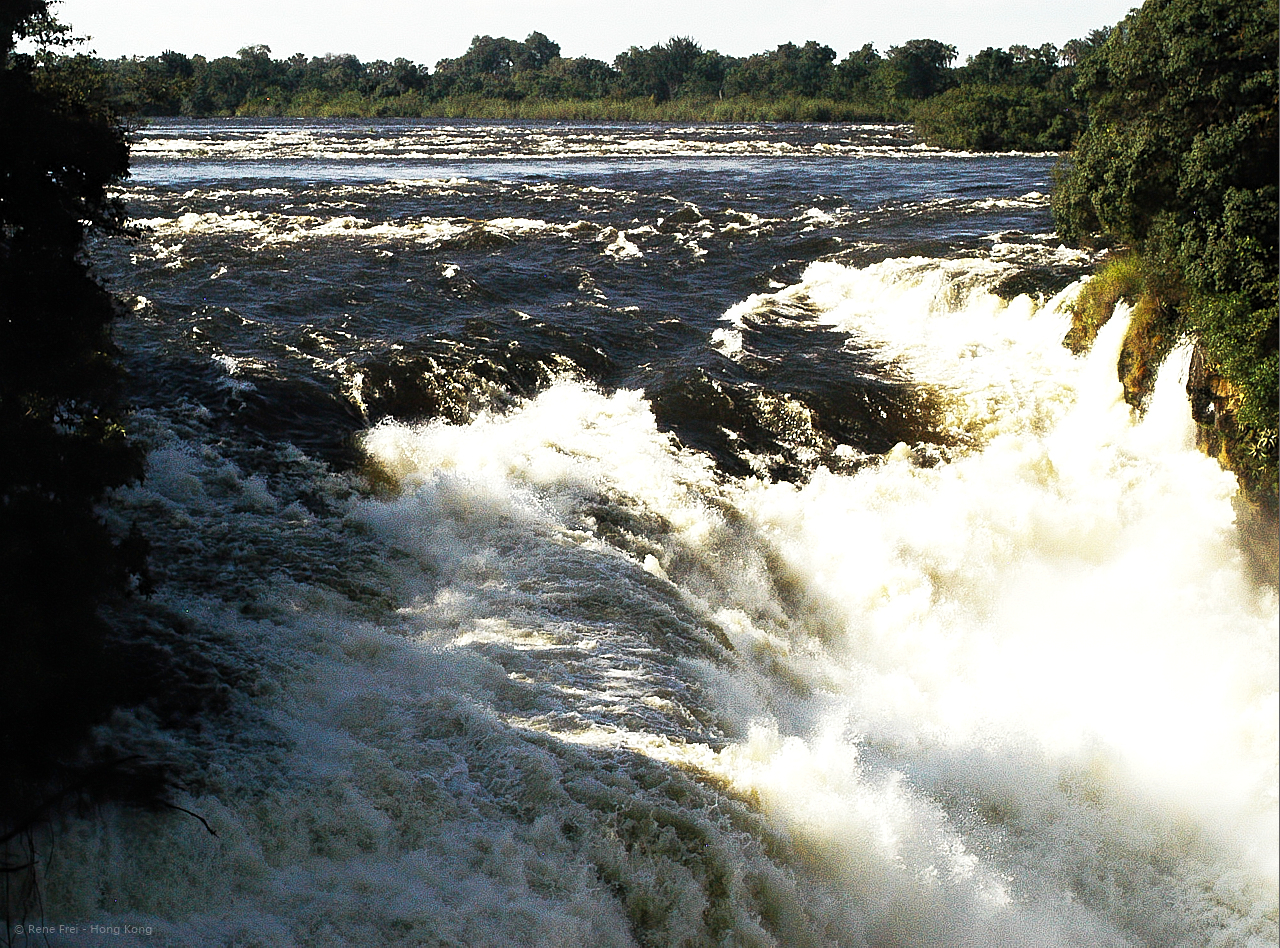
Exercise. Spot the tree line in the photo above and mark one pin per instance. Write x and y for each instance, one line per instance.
(1015, 98)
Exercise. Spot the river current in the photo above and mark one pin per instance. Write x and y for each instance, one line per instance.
(663, 536)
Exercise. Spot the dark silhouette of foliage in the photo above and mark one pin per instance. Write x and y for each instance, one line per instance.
(1017, 66)
(1014, 99)
(579, 78)
(660, 72)
(919, 69)
(491, 66)
(788, 70)
(855, 74)
(537, 52)
(991, 67)
(64, 446)
(1077, 51)
(389, 79)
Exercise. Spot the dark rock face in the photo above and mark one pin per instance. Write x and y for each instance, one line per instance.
(1210, 396)
(1212, 406)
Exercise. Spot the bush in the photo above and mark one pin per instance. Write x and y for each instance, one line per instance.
(996, 118)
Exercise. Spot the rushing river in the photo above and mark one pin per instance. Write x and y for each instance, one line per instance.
(664, 536)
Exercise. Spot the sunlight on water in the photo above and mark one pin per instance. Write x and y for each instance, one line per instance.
(1046, 651)
(1073, 606)
(1026, 696)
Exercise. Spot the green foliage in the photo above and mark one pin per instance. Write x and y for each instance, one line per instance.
(1018, 66)
(663, 72)
(64, 446)
(919, 69)
(579, 78)
(789, 70)
(1076, 51)
(789, 83)
(1178, 160)
(855, 76)
(737, 109)
(975, 117)
(1122, 278)
(490, 65)
(1181, 104)
(1018, 99)
(1242, 342)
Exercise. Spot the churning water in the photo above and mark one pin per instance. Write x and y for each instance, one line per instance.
(657, 535)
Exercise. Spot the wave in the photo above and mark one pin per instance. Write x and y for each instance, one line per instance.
(265, 229)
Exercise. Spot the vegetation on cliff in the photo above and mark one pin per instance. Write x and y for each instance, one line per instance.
(1178, 162)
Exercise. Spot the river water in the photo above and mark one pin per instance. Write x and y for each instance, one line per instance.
(663, 535)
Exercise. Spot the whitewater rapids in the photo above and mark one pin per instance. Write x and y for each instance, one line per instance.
(592, 691)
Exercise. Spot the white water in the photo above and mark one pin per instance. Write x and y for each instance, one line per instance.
(604, 697)
(435, 142)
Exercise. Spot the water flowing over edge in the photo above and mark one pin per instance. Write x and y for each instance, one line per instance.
(567, 685)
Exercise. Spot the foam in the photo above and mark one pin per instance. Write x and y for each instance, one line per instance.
(1039, 631)
(431, 142)
(1073, 590)
(262, 229)
(566, 684)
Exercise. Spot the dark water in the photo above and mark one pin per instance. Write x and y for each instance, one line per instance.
(664, 535)
(447, 274)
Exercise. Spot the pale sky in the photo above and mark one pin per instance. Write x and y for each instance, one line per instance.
(426, 31)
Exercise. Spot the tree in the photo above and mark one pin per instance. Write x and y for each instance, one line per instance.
(174, 65)
(333, 73)
(1019, 66)
(1005, 100)
(788, 70)
(990, 67)
(1179, 162)
(1034, 67)
(577, 78)
(537, 52)
(493, 56)
(395, 78)
(220, 87)
(919, 68)
(1078, 50)
(64, 447)
(486, 68)
(659, 71)
(855, 75)
(1005, 117)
